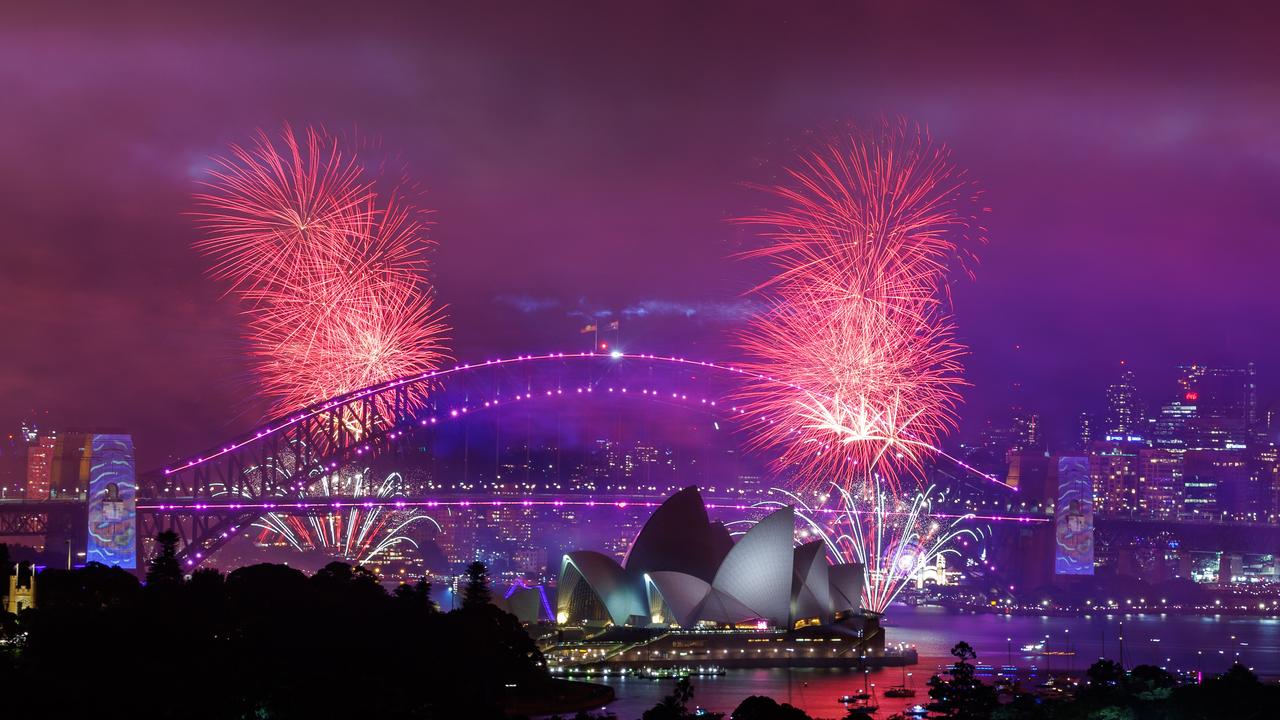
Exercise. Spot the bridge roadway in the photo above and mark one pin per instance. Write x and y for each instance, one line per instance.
(1191, 534)
(634, 501)
(60, 520)
(20, 517)
(1197, 535)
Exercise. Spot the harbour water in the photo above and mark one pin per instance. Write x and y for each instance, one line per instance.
(1178, 642)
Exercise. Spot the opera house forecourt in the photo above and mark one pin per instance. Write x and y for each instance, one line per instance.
(687, 594)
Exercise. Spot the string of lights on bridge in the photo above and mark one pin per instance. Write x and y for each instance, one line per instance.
(457, 412)
(329, 504)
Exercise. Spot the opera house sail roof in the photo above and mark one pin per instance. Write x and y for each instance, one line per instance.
(684, 570)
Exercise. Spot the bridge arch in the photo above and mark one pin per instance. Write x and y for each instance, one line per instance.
(211, 496)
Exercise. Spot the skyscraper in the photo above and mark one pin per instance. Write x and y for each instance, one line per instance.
(1113, 469)
(1216, 481)
(1027, 432)
(1088, 431)
(1223, 393)
(1124, 409)
(40, 465)
(1172, 428)
(1160, 482)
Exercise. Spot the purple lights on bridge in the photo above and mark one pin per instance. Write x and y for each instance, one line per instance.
(260, 472)
(454, 413)
(329, 504)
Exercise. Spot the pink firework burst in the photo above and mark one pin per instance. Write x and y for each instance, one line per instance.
(332, 270)
(861, 351)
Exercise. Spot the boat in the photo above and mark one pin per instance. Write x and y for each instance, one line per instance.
(1034, 647)
(865, 700)
(916, 711)
(899, 691)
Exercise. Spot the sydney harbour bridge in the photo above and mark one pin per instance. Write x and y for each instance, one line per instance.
(212, 496)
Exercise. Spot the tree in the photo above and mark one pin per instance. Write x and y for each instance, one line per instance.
(760, 707)
(1105, 672)
(164, 570)
(676, 705)
(962, 696)
(1148, 682)
(477, 591)
(416, 597)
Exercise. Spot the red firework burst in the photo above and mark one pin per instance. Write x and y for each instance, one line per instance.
(865, 370)
(331, 270)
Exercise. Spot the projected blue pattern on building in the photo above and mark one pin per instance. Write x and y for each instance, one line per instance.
(1074, 518)
(112, 507)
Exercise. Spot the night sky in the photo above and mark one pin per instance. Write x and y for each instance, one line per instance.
(585, 159)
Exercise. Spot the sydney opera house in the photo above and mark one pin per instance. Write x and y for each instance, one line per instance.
(685, 571)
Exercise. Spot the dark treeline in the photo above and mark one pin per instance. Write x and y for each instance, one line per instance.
(264, 641)
(267, 641)
(1107, 692)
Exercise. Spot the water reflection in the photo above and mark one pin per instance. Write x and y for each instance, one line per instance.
(1179, 643)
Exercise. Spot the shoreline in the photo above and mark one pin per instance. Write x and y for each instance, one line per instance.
(1089, 611)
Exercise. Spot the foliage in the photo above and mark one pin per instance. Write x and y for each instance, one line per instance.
(759, 707)
(264, 641)
(164, 572)
(676, 705)
(477, 591)
(962, 695)
(1146, 692)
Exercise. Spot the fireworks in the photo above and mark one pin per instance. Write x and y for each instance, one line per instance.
(358, 534)
(329, 265)
(862, 365)
(892, 537)
(853, 392)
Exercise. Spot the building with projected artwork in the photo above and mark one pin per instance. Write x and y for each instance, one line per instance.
(689, 591)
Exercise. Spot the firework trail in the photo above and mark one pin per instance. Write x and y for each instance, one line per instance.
(893, 537)
(357, 534)
(330, 266)
(856, 324)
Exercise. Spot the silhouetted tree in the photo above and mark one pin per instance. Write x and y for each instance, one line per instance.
(962, 695)
(1237, 693)
(284, 644)
(477, 592)
(416, 597)
(1148, 682)
(676, 705)
(164, 571)
(8, 621)
(760, 707)
(93, 586)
